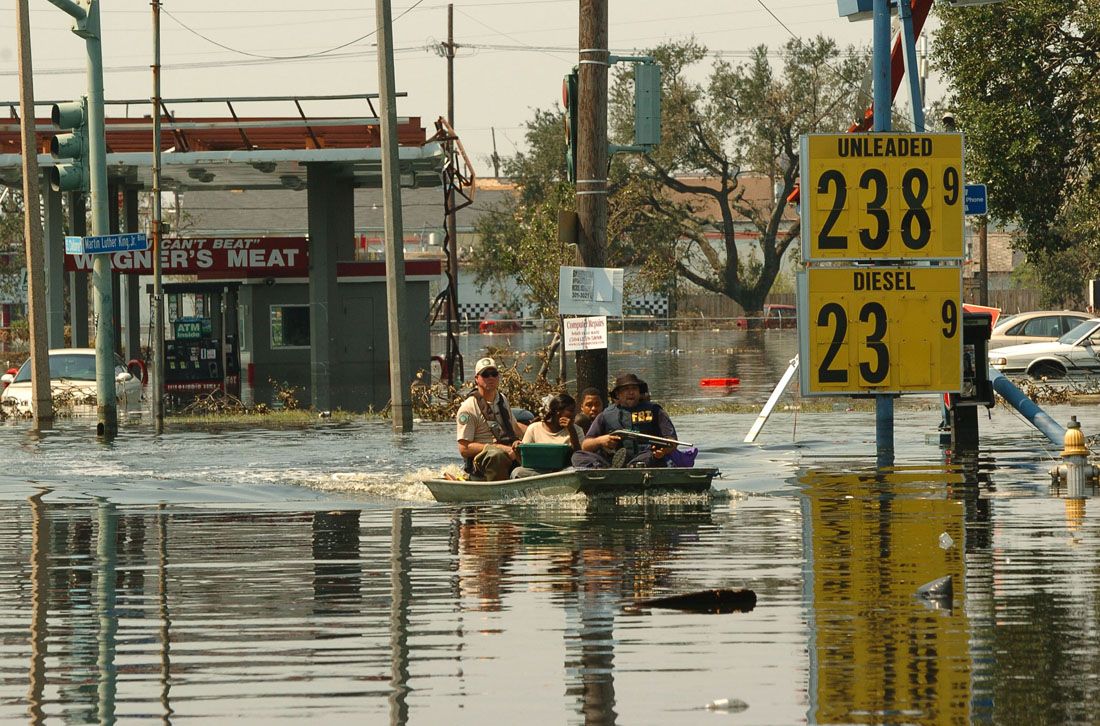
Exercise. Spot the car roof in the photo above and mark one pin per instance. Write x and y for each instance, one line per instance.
(1019, 317)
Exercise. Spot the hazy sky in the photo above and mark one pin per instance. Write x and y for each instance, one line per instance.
(513, 55)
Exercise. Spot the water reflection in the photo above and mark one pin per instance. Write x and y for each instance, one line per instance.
(879, 653)
(435, 614)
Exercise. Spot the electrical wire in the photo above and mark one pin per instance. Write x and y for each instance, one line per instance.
(284, 57)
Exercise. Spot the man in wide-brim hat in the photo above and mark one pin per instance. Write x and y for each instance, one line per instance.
(631, 412)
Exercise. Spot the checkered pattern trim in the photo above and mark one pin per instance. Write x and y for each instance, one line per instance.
(652, 304)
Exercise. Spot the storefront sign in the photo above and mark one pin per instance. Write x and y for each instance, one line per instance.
(227, 256)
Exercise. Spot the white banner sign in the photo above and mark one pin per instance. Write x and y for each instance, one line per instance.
(585, 333)
(590, 291)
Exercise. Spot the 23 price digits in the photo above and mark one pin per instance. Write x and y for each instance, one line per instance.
(832, 316)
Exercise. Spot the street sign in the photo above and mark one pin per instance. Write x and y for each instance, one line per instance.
(974, 200)
(106, 243)
(880, 330)
(882, 196)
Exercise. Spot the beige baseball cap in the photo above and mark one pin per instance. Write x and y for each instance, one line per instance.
(483, 364)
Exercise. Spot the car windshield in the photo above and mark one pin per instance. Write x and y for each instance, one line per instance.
(1078, 332)
(73, 366)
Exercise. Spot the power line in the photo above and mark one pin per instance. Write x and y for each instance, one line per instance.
(287, 57)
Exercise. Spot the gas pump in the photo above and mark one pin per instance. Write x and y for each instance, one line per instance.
(200, 357)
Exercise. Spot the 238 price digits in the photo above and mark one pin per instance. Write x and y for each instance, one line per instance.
(916, 225)
(832, 315)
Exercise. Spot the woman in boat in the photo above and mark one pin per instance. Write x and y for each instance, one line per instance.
(555, 427)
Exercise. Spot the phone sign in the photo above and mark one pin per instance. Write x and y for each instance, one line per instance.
(880, 330)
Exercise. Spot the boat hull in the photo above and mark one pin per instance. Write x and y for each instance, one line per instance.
(593, 482)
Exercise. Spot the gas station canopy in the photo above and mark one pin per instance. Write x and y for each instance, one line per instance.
(238, 153)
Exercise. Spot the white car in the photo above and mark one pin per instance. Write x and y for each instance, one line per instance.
(72, 370)
(1075, 353)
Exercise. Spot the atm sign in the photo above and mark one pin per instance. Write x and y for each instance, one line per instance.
(880, 330)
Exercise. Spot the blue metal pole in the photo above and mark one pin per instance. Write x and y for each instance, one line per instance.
(1030, 410)
(884, 405)
(916, 100)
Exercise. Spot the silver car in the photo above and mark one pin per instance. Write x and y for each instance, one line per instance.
(1076, 352)
(72, 371)
(1038, 326)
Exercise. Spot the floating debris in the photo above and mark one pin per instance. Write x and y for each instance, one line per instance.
(703, 601)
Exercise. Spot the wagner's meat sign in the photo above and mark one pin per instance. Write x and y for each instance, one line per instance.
(226, 256)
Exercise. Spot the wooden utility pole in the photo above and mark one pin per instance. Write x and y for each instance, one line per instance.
(36, 263)
(592, 165)
(400, 375)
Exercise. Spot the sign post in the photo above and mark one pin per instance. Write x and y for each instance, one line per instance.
(890, 205)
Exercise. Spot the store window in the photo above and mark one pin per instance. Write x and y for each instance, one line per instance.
(289, 326)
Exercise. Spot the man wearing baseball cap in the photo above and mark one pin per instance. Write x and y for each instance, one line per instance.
(632, 413)
(487, 433)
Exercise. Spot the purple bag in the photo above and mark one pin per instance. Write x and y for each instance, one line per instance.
(683, 458)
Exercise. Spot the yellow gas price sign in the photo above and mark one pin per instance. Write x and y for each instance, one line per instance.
(880, 330)
(882, 196)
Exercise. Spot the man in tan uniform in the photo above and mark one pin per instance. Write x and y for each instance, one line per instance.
(487, 432)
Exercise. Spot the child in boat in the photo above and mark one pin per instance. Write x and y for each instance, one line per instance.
(591, 407)
(555, 427)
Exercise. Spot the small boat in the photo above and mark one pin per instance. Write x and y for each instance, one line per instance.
(593, 482)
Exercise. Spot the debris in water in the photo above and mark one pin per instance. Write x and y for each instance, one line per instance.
(704, 601)
(734, 705)
(946, 541)
(940, 591)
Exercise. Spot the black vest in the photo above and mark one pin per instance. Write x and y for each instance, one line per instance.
(642, 418)
(504, 435)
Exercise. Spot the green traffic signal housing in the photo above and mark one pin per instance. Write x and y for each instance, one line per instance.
(74, 176)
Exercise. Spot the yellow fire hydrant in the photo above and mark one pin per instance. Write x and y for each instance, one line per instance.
(1075, 470)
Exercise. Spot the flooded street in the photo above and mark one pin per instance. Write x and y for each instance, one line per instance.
(306, 576)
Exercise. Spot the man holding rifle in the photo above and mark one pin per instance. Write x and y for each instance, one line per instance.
(638, 431)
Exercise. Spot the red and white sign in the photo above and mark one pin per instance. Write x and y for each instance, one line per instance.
(587, 333)
(226, 256)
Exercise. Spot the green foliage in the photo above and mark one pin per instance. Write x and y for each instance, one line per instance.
(1024, 91)
(667, 208)
(12, 246)
(744, 120)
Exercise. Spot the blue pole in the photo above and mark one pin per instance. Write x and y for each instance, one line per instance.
(1030, 410)
(884, 405)
(916, 100)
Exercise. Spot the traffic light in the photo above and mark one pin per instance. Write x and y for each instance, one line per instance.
(569, 98)
(73, 176)
(647, 104)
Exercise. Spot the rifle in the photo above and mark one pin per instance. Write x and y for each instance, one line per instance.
(659, 440)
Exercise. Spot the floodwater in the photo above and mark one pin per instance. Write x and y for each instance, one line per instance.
(306, 576)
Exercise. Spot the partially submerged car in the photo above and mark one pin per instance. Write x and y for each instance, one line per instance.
(72, 376)
(1075, 353)
(775, 316)
(500, 321)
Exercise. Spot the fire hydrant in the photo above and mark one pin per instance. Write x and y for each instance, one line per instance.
(1075, 470)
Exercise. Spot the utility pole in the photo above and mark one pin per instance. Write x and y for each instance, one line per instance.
(400, 378)
(496, 157)
(36, 294)
(592, 165)
(86, 25)
(158, 289)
